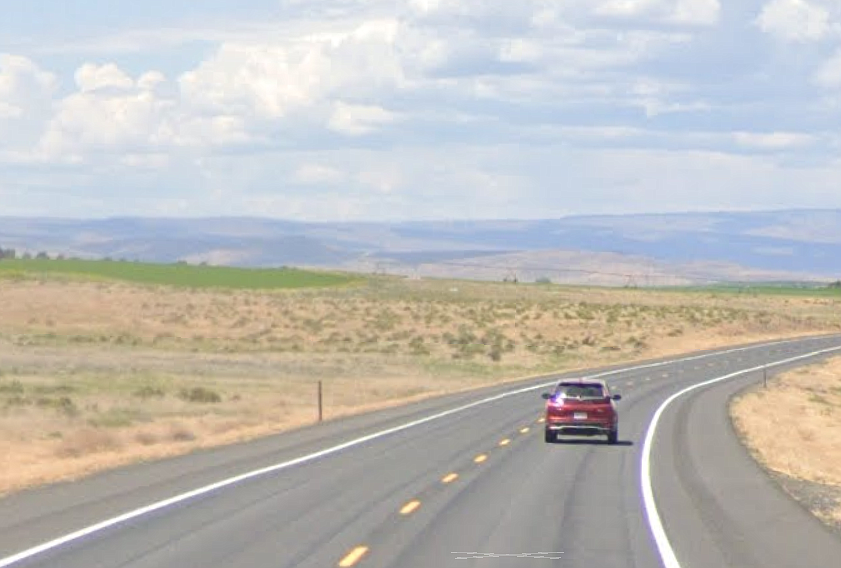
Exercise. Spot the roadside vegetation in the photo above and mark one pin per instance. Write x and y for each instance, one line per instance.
(793, 428)
(96, 373)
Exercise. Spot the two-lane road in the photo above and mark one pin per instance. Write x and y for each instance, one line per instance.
(460, 481)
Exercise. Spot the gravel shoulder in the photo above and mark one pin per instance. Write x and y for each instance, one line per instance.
(823, 500)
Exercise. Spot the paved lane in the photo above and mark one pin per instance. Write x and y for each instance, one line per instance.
(473, 487)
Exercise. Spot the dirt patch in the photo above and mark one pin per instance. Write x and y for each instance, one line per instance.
(793, 428)
(95, 375)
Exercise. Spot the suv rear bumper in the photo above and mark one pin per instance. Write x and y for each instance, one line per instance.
(580, 428)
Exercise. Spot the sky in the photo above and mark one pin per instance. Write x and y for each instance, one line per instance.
(389, 110)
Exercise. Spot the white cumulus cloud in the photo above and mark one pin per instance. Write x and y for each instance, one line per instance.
(828, 74)
(690, 12)
(26, 95)
(111, 113)
(356, 120)
(317, 174)
(430, 107)
(274, 80)
(794, 20)
(150, 80)
(772, 140)
(90, 77)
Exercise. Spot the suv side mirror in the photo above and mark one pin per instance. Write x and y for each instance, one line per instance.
(546, 396)
(617, 397)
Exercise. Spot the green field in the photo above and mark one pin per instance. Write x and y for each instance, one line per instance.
(180, 275)
(762, 289)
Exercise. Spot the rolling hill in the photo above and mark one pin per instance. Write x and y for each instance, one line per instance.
(656, 249)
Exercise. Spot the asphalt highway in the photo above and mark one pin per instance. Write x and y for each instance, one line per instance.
(462, 481)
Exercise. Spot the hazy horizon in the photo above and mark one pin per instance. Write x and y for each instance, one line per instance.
(428, 220)
(783, 245)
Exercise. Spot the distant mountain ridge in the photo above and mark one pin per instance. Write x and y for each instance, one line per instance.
(688, 247)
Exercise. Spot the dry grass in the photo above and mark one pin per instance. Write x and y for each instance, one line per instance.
(794, 426)
(94, 375)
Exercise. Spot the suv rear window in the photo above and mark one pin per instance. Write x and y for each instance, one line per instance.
(579, 391)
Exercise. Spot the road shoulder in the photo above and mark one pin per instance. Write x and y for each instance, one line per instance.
(792, 429)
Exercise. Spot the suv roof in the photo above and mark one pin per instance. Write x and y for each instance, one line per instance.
(581, 382)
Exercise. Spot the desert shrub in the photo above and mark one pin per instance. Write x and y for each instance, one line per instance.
(54, 389)
(18, 400)
(819, 399)
(637, 342)
(12, 388)
(87, 441)
(146, 392)
(200, 394)
(385, 321)
(118, 418)
(180, 433)
(146, 438)
(64, 405)
(495, 353)
(418, 347)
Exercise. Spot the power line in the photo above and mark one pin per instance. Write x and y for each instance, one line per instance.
(630, 277)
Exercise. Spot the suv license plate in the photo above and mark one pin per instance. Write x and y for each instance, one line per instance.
(579, 416)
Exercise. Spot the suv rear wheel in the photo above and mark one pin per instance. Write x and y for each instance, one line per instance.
(613, 436)
(549, 436)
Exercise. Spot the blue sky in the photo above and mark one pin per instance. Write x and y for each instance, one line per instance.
(418, 109)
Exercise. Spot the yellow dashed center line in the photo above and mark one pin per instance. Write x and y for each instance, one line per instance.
(410, 507)
(541, 421)
(353, 556)
(629, 383)
(504, 442)
(480, 458)
(449, 478)
(524, 430)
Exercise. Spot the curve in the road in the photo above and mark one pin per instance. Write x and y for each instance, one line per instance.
(409, 454)
(658, 531)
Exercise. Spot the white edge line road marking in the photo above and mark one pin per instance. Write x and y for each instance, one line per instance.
(664, 547)
(157, 506)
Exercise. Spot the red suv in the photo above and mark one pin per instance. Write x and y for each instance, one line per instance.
(582, 407)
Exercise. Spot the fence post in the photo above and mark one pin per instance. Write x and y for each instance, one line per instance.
(320, 403)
